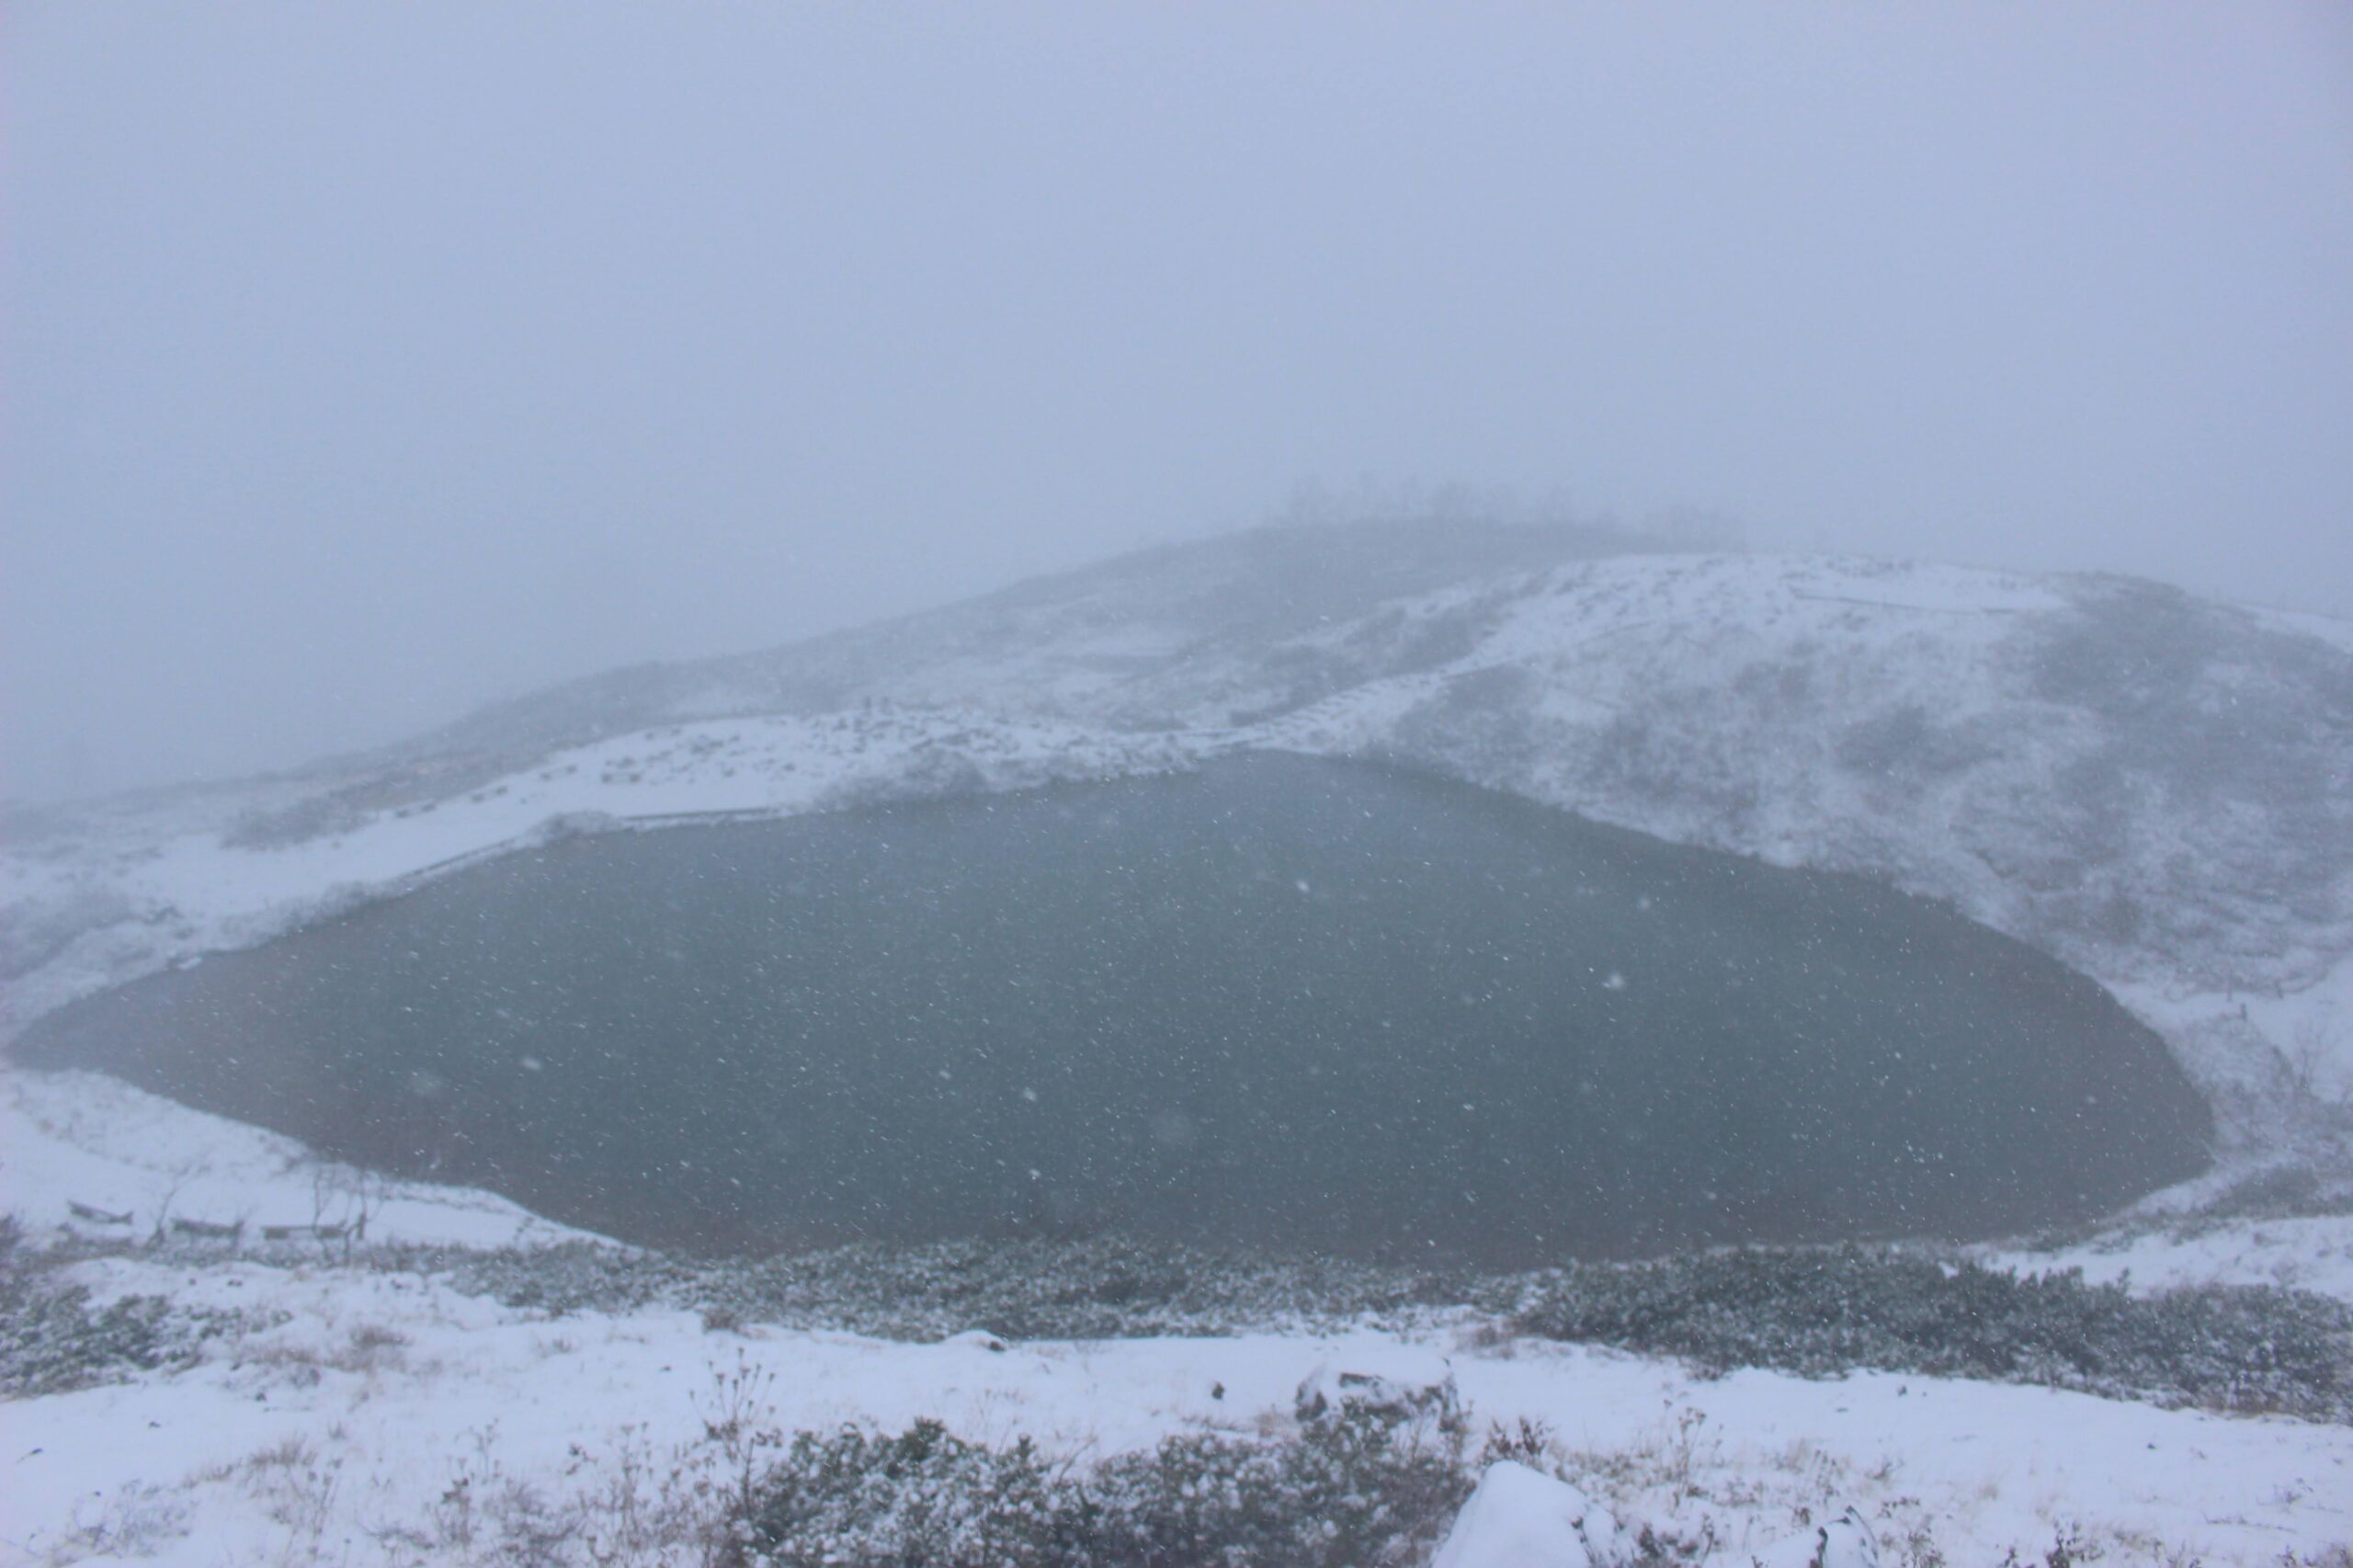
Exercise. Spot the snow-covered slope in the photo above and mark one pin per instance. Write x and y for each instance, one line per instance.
(116, 1163)
(2157, 788)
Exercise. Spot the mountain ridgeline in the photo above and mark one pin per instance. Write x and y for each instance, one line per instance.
(1280, 1002)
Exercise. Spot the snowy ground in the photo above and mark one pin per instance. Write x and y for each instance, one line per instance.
(133, 1163)
(321, 1438)
(332, 1427)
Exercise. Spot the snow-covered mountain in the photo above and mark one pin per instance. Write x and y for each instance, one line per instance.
(2156, 787)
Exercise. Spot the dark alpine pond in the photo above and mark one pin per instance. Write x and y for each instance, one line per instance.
(1276, 1002)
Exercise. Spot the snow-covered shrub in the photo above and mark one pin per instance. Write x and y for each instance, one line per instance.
(924, 1496)
(569, 1277)
(52, 1339)
(1822, 1312)
(1363, 1482)
(1360, 1483)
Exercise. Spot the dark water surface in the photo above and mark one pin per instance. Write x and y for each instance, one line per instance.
(1279, 1002)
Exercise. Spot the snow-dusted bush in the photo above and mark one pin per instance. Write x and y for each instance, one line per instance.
(52, 1339)
(1822, 1312)
(924, 1496)
(1362, 1483)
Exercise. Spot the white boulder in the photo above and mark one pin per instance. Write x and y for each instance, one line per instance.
(1522, 1518)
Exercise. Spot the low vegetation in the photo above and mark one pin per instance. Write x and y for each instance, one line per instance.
(1376, 1474)
(1817, 1311)
(1820, 1312)
(1358, 1482)
(54, 1339)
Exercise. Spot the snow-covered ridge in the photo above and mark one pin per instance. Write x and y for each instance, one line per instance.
(2157, 788)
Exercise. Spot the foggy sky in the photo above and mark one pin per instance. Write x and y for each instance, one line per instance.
(362, 364)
